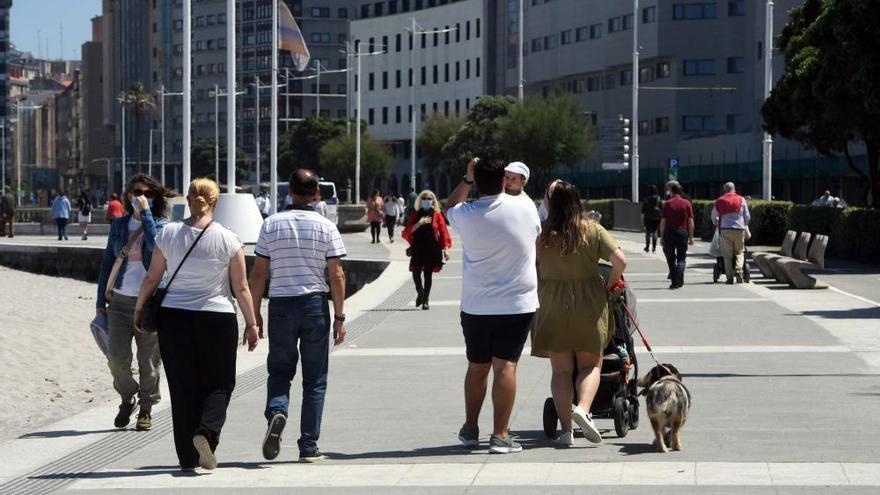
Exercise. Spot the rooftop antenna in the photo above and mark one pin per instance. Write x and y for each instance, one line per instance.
(61, 40)
(39, 45)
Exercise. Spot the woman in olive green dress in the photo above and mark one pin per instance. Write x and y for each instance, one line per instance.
(574, 322)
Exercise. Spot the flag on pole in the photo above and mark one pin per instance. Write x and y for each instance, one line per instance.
(290, 38)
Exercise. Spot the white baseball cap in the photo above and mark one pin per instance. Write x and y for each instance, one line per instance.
(518, 168)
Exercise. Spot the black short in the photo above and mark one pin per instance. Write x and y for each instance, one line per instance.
(495, 336)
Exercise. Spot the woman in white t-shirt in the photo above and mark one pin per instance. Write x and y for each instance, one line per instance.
(198, 329)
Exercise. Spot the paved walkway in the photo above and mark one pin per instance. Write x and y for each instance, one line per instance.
(785, 387)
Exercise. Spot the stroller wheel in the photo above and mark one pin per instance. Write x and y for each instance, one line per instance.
(633, 410)
(716, 273)
(550, 418)
(621, 416)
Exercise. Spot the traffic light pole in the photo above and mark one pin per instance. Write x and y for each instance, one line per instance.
(634, 166)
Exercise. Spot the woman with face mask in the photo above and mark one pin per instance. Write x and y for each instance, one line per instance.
(131, 240)
(429, 241)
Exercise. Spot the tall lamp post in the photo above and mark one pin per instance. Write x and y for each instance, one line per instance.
(217, 93)
(416, 30)
(162, 96)
(634, 167)
(519, 53)
(358, 54)
(768, 84)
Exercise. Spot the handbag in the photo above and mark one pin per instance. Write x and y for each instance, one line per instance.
(715, 245)
(98, 326)
(117, 265)
(150, 311)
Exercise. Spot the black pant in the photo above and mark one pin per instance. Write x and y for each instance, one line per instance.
(675, 246)
(62, 227)
(424, 290)
(375, 230)
(389, 224)
(651, 227)
(198, 351)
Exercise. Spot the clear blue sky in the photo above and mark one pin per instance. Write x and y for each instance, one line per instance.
(46, 16)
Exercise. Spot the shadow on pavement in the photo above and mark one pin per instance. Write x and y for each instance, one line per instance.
(176, 472)
(628, 449)
(66, 433)
(777, 375)
(862, 313)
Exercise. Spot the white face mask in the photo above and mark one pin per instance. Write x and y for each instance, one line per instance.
(427, 204)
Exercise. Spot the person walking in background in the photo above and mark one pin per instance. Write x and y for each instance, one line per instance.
(401, 208)
(499, 294)
(124, 265)
(651, 217)
(7, 213)
(429, 241)
(84, 213)
(392, 212)
(263, 203)
(61, 214)
(676, 231)
(319, 205)
(572, 325)
(731, 216)
(375, 215)
(293, 252)
(198, 329)
(114, 208)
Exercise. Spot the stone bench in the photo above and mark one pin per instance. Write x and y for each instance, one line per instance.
(763, 260)
(793, 269)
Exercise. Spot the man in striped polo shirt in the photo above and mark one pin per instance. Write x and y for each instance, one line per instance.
(293, 251)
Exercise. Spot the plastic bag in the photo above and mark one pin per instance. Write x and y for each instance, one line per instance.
(98, 326)
(715, 245)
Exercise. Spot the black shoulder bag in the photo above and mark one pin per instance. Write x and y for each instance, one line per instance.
(150, 312)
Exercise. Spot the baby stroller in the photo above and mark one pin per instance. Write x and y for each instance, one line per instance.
(617, 397)
(718, 269)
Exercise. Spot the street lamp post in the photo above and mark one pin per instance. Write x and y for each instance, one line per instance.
(357, 137)
(187, 92)
(122, 124)
(634, 167)
(519, 55)
(273, 134)
(163, 94)
(3, 151)
(768, 83)
(416, 30)
(217, 133)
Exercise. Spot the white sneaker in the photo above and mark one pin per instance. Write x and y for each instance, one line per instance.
(585, 423)
(565, 439)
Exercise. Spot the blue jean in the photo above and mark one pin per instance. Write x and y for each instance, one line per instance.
(675, 246)
(299, 329)
(61, 223)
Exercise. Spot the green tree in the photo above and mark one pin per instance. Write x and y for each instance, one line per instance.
(436, 133)
(338, 159)
(476, 137)
(545, 133)
(202, 161)
(829, 94)
(136, 98)
(301, 147)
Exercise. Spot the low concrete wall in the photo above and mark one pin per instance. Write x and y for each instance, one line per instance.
(351, 218)
(627, 216)
(84, 263)
(73, 229)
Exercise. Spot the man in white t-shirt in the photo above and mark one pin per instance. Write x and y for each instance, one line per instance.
(293, 251)
(516, 176)
(499, 294)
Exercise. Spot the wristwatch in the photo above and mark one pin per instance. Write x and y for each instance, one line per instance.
(339, 318)
(465, 180)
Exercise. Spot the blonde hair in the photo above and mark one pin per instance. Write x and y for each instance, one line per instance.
(424, 194)
(204, 193)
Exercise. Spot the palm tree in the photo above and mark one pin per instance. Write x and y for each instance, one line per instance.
(139, 101)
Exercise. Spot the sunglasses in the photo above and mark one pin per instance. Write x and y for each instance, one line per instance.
(143, 192)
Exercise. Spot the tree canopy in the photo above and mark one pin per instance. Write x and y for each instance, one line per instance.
(301, 147)
(202, 161)
(136, 98)
(828, 97)
(338, 159)
(476, 137)
(435, 134)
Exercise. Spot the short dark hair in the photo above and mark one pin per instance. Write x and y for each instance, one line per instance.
(652, 190)
(303, 182)
(489, 176)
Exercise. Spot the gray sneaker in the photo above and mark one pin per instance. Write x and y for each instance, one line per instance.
(469, 437)
(507, 445)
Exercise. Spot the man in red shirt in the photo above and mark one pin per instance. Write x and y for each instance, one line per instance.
(677, 231)
(114, 208)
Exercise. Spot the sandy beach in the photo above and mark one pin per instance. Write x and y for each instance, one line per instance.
(50, 367)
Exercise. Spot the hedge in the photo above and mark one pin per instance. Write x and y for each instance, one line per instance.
(768, 223)
(605, 207)
(854, 233)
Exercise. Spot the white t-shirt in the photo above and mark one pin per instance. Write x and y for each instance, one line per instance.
(134, 266)
(298, 243)
(498, 234)
(203, 281)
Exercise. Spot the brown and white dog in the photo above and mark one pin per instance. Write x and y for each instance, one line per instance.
(668, 402)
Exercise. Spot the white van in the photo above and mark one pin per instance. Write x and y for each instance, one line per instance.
(328, 193)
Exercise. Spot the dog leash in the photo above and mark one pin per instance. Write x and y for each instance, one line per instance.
(617, 291)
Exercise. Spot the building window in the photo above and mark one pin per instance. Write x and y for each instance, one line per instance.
(661, 125)
(221, 18)
(736, 8)
(615, 24)
(626, 77)
(365, 11)
(409, 74)
(320, 12)
(580, 34)
(424, 75)
(550, 42)
(698, 123)
(596, 31)
(371, 82)
(609, 81)
(649, 15)
(467, 69)
(320, 38)
(477, 60)
(377, 9)
(397, 115)
(736, 123)
(644, 128)
(663, 70)
(578, 86)
(699, 67)
(384, 115)
(384, 80)
(467, 30)
(397, 78)
(446, 72)
(371, 117)
(566, 37)
(457, 71)
(397, 43)
(343, 13)
(457, 32)
(693, 11)
(736, 65)
(384, 46)
(594, 84)
(628, 21)
(446, 35)
(537, 45)
(392, 7)
(436, 73)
